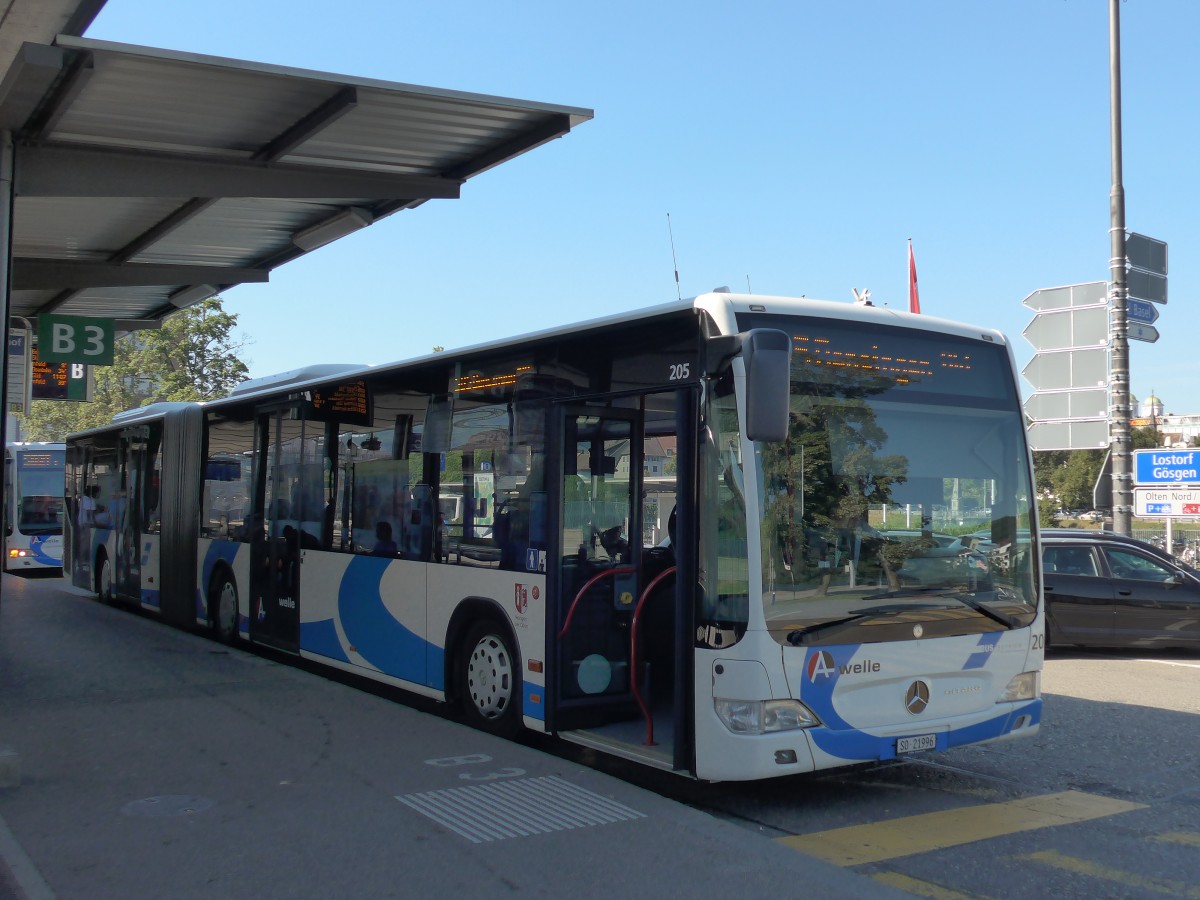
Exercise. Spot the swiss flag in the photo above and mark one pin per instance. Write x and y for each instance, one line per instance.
(914, 299)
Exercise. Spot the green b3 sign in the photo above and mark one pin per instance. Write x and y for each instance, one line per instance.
(79, 339)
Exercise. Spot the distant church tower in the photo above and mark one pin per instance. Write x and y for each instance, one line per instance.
(1151, 408)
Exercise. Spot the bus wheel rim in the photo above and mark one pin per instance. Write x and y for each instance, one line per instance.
(227, 608)
(490, 677)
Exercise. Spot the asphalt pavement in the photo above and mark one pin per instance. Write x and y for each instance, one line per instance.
(138, 760)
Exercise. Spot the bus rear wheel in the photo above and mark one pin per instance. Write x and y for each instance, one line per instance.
(223, 609)
(104, 582)
(489, 682)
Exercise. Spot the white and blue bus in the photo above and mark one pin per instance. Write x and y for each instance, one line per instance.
(33, 506)
(669, 535)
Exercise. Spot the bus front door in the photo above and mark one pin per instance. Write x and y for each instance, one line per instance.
(621, 620)
(275, 547)
(599, 681)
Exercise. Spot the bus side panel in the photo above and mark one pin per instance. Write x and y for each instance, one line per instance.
(371, 615)
(367, 612)
(521, 598)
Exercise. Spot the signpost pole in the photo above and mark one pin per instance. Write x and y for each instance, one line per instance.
(1119, 440)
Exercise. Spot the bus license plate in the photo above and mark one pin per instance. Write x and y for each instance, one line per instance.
(916, 742)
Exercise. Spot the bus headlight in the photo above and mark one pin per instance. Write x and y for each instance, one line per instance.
(764, 716)
(1026, 686)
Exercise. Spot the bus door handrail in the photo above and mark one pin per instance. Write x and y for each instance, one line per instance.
(615, 570)
(633, 646)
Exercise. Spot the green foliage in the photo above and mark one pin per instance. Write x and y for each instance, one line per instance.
(1046, 508)
(1145, 438)
(1070, 475)
(193, 356)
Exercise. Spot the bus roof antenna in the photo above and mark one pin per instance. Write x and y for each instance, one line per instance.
(674, 261)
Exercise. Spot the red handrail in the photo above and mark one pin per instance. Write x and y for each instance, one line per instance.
(627, 570)
(633, 645)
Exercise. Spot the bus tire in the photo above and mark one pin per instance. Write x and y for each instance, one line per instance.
(489, 680)
(224, 608)
(104, 583)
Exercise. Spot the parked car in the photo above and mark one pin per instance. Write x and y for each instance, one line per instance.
(1108, 590)
(929, 559)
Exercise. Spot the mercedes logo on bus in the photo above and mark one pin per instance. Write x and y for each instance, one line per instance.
(916, 698)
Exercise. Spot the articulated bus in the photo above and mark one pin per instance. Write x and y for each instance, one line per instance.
(33, 506)
(658, 534)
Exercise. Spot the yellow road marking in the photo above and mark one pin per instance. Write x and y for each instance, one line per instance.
(859, 844)
(1128, 879)
(919, 888)
(1179, 837)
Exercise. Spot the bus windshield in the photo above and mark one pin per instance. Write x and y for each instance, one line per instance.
(900, 503)
(39, 491)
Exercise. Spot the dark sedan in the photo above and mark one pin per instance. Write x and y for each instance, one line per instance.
(1106, 590)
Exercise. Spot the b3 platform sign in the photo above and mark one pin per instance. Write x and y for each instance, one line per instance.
(1166, 502)
(75, 339)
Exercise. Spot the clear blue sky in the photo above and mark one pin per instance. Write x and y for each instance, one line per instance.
(795, 146)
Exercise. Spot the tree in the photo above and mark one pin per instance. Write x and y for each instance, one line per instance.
(1070, 475)
(193, 356)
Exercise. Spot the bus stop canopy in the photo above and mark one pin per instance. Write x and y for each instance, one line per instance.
(146, 180)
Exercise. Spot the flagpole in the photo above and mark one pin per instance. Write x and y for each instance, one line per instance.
(914, 297)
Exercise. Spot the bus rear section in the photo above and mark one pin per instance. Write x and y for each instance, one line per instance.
(33, 511)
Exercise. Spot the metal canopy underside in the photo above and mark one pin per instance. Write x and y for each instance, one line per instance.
(147, 179)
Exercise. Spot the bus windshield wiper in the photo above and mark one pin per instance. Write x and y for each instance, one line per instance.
(964, 599)
(806, 634)
(910, 592)
(968, 600)
(809, 633)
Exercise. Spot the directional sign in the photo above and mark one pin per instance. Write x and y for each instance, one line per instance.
(1069, 373)
(1089, 294)
(1062, 370)
(1166, 467)
(1069, 435)
(1139, 332)
(1146, 285)
(1046, 406)
(1066, 329)
(1183, 501)
(1146, 253)
(1141, 311)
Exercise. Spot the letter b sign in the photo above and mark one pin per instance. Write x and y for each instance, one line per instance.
(75, 339)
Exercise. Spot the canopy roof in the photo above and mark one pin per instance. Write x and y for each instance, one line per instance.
(146, 180)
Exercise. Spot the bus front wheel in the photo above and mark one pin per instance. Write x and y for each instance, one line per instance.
(489, 684)
(223, 599)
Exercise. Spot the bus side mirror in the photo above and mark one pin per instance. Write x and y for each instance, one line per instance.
(767, 354)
